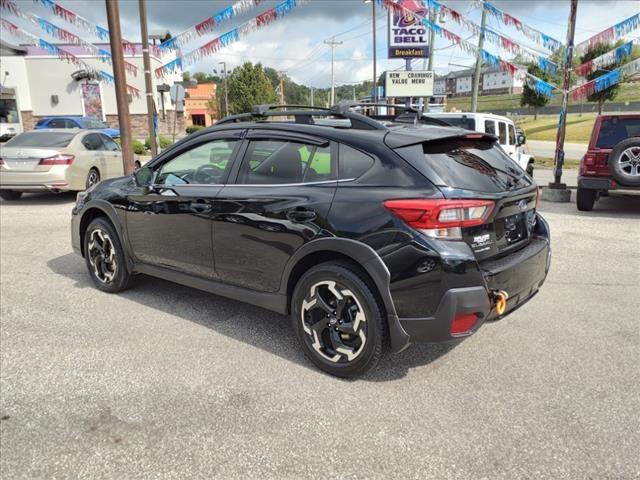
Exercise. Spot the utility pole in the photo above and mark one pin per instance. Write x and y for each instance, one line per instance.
(558, 191)
(120, 80)
(311, 96)
(142, 7)
(407, 63)
(354, 92)
(432, 40)
(478, 71)
(226, 94)
(281, 77)
(333, 44)
(375, 61)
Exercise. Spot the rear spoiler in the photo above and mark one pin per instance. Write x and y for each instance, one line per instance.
(436, 133)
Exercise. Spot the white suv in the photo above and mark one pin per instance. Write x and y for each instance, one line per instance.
(502, 127)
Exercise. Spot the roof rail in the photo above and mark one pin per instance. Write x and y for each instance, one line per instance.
(304, 114)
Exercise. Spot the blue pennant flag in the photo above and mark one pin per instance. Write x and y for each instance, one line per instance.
(607, 80)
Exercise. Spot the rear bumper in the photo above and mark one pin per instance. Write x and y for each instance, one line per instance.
(603, 183)
(520, 275)
(54, 180)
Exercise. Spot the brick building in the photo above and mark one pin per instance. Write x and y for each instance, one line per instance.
(199, 105)
(40, 85)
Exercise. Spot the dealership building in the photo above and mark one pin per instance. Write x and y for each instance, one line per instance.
(35, 84)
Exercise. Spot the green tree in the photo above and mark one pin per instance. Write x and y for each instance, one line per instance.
(529, 96)
(186, 76)
(608, 94)
(248, 85)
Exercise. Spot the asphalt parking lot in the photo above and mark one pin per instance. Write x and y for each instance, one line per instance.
(167, 382)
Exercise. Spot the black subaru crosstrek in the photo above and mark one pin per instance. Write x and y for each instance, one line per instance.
(367, 233)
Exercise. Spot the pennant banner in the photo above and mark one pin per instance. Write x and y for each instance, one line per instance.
(61, 53)
(540, 85)
(64, 35)
(605, 81)
(228, 38)
(611, 57)
(88, 26)
(536, 36)
(611, 34)
(208, 24)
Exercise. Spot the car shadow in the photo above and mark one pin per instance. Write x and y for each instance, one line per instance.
(255, 326)
(45, 198)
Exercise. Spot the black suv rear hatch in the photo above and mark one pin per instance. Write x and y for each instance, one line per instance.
(473, 166)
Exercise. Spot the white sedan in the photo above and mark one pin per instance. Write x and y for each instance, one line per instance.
(57, 160)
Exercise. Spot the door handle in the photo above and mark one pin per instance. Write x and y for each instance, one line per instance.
(200, 207)
(301, 214)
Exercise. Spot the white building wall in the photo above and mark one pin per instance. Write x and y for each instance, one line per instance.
(463, 84)
(13, 74)
(496, 80)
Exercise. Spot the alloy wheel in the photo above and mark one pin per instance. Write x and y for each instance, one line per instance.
(334, 321)
(93, 178)
(102, 256)
(630, 161)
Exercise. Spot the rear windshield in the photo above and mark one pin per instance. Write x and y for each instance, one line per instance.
(462, 122)
(41, 139)
(614, 130)
(478, 165)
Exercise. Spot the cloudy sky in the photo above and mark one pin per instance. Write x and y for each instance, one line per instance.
(295, 43)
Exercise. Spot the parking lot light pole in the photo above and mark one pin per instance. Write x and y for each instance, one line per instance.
(120, 80)
(226, 94)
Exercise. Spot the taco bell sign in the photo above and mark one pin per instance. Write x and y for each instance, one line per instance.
(408, 38)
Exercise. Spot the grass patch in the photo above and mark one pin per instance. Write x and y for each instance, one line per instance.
(546, 162)
(545, 128)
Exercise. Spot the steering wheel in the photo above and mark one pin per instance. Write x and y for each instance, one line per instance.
(206, 173)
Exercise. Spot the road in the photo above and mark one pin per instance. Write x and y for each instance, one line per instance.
(540, 148)
(167, 382)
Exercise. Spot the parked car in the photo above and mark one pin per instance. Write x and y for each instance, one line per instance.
(10, 124)
(83, 123)
(57, 161)
(510, 137)
(612, 161)
(364, 234)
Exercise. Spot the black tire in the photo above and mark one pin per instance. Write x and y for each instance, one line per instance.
(530, 169)
(10, 195)
(362, 315)
(93, 177)
(624, 162)
(99, 268)
(585, 199)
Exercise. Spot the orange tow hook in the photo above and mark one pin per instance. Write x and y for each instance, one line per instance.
(500, 301)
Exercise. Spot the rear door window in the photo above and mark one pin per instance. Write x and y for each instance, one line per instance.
(273, 162)
(92, 142)
(109, 144)
(58, 123)
(502, 133)
(490, 127)
(614, 130)
(353, 163)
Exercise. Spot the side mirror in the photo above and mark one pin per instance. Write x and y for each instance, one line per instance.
(521, 139)
(143, 177)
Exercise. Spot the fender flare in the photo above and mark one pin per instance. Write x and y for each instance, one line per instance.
(116, 220)
(371, 262)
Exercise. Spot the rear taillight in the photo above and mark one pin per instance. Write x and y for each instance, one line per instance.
(462, 324)
(60, 159)
(442, 219)
(589, 159)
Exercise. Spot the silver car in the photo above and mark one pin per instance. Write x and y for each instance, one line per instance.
(57, 160)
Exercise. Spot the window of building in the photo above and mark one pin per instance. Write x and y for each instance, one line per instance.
(198, 119)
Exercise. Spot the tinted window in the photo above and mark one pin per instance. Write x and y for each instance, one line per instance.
(353, 163)
(41, 139)
(109, 144)
(490, 127)
(206, 163)
(614, 130)
(463, 122)
(512, 135)
(92, 142)
(502, 133)
(42, 121)
(57, 123)
(70, 124)
(269, 162)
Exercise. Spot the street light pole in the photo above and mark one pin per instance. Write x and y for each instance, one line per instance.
(142, 7)
(333, 44)
(226, 94)
(478, 69)
(120, 80)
